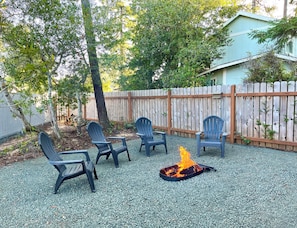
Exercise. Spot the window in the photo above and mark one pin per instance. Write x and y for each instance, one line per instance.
(289, 47)
(212, 82)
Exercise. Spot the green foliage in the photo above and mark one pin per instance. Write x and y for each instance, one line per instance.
(112, 24)
(245, 140)
(174, 41)
(281, 32)
(129, 126)
(67, 89)
(268, 68)
(270, 134)
(45, 36)
(267, 130)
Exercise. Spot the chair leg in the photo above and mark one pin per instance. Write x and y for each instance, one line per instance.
(97, 158)
(90, 179)
(147, 150)
(58, 183)
(95, 174)
(128, 155)
(115, 159)
(222, 151)
(165, 147)
(198, 151)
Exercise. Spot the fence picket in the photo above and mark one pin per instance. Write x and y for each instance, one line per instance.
(257, 106)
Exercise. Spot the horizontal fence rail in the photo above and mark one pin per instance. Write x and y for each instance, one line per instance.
(260, 114)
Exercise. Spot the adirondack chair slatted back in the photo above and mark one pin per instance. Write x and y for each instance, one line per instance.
(95, 131)
(144, 126)
(49, 151)
(146, 133)
(213, 128)
(105, 148)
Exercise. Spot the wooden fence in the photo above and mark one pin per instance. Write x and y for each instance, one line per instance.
(260, 114)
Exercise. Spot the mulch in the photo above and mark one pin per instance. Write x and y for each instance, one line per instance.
(25, 147)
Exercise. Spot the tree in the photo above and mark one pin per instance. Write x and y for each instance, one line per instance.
(176, 40)
(73, 91)
(281, 32)
(54, 32)
(268, 68)
(51, 32)
(15, 107)
(112, 25)
(93, 61)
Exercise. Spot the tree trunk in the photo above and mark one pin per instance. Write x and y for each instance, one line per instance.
(15, 109)
(51, 107)
(79, 119)
(285, 8)
(93, 61)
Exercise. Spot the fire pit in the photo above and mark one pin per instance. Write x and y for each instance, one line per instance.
(185, 169)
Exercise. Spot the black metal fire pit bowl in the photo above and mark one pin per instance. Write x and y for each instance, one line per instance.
(188, 173)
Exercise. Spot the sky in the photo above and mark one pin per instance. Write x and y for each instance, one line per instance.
(278, 13)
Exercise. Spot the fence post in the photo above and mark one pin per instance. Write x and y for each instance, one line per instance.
(130, 109)
(169, 114)
(233, 113)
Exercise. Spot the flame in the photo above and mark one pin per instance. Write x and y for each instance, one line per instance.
(185, 163)
(186, 160)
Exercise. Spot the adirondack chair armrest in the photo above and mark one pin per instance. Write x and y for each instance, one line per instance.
(140, 135)
(104, 143)
(119, 138)
(101, 142)
(198, 135)
(224, 136)
(66, 162)
(160, 133)
(85, 152)
(74, 152)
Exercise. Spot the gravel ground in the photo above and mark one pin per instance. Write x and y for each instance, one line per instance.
(253, 187)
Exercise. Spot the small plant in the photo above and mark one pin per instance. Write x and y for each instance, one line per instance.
(265, 107)
(258, 123)
(129, 125)
(267, 130)
(245, 140)
(270, 134)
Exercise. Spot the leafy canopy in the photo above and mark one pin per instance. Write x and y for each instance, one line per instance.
(175, 40)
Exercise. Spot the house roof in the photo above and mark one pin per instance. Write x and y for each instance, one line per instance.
(234, 63)
(249, 15)
(239, 61)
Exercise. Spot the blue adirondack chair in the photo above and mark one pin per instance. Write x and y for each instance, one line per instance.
(67, 168)
(146, 133)
(104, 147)
(213, 135)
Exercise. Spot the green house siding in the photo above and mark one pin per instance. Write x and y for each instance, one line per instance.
(231, 68)
(229, 76)
(244, 23)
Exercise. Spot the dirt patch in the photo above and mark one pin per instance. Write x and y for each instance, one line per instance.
(24, 147)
